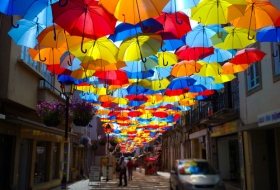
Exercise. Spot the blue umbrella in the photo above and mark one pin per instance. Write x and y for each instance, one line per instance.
(26, 33)
(8, 8)
(160, 73)
(139, 75)
(89, 97)
(220, 55)
(207, 82)
(197, 88)
(135, 89)
(181, 83)
(125, 30)
(179, 5)
(120, 93)
(172, 45)
(200, 36)
(67, 79)
(269, 34)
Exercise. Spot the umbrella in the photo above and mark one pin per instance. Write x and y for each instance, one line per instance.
(200, 36)
(180, 83)
(84, 18)
(125, 30)
(48, 56)
(26, 33)
(222, 78)
(102, 48)
(237, 38)
(216, 11)
(179, 5)
(171, 44)
(219, 55)
(133, 11)
(247, 56)
(166, 59)
(230, 68)
(185, 68)
(193, 53)
(269, 34)
(92, 66)
(210, 69)
(171, 28)
(9, 8)
(258, 14)
(139, 47)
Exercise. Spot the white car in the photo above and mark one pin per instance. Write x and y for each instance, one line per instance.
(191, 174)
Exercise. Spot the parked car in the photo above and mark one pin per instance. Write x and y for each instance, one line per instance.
(191, 174)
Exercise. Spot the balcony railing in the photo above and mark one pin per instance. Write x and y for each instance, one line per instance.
(48, 85)
(221, 102)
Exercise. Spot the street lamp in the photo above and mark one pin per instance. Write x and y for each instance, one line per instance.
(108, 131)
(67, 90)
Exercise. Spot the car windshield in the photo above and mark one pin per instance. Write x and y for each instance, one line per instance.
(189, 168)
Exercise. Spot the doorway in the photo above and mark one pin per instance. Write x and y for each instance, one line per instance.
(7, 143)
(24, 164)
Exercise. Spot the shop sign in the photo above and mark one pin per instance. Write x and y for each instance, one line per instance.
(269, 118)
(226, 128)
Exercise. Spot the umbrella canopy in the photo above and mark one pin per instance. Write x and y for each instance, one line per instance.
(269, 34)
(185, 68)
(194, 53)
(133, 11)
(139, 47)
(230, 68)
(84, 18)
(247, 56)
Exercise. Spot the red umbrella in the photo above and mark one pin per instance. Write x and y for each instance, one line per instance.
(176, 92)
(135, 113)
(56, 69)
(194, 53)
(150, 159)
(139, 97)
(173, 29)
(112, 77)
(84, 18)
(160, 114)
(247, 56)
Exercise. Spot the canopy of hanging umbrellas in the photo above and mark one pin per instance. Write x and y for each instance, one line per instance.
(143, 63)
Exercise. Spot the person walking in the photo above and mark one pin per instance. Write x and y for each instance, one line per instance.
(130, 166)
(123, 172)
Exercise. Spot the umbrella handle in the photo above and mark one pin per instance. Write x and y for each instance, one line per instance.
(42, 60)
(219, 34)
(251, 38)
(82, 44)
(161, 45)
(275, 55)
(144, 60)
(12, 23)
(54, 32)
(178, 22)
(62, 5)
(143, 29)
(165, 64)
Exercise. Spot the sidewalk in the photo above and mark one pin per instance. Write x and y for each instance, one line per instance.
(139, 181)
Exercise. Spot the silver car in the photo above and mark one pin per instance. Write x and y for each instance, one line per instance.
(190, 174)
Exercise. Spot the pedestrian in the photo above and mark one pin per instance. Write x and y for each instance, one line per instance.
(130, 166)
(123, 172)
(118, 168)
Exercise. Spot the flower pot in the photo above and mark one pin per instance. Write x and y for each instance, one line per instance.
(81, 123)
(51, 123)
(102, 143)
(113, 143)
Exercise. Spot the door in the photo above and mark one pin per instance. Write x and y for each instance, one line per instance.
(24, 164)
(6, 161)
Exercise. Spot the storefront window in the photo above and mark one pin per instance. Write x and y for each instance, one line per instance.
(55, 161)
(40, 174)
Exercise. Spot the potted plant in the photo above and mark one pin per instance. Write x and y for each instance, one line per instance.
(52, 112)
(81, 112)
(102, 140)
(94, 147)
(111, 149)
(113, 141)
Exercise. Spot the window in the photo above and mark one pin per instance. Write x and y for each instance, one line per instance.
(275, 61)
(253, 75)
(40, 173)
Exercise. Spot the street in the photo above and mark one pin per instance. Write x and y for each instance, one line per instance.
(139, 181)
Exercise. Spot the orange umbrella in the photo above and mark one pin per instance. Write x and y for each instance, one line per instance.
(258, 14)
(185, 68)
(91, 65)
(230, 68)
(48, 56)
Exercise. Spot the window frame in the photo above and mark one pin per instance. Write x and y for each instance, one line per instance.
(276, 77)
(258, 87)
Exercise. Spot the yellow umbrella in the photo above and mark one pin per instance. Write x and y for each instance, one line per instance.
(105, 98)
(134, 11)
(102, 48)
(216, 11)
(210, 69)
(155, 84)
(139, 46)
(81, 73)
(166, 59)
(230, 68)
(223, 78)
(237, 38)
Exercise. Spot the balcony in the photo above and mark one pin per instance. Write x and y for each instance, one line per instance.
(47, 92)
(225, 108)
